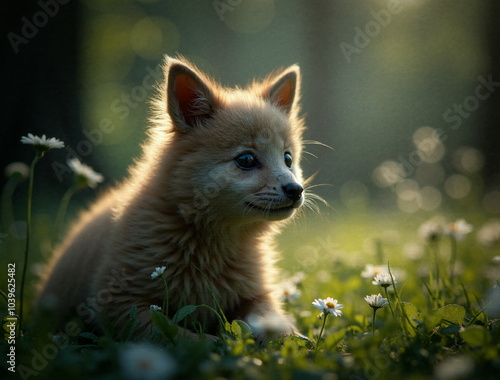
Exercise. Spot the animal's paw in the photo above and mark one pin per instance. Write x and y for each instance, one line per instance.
(303, 337)
(272, 326)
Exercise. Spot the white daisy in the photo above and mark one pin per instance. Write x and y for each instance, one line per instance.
(287, 291)
(298, 278)
(158, 271)
(454, 367)
(17, 168)
(458, 229)
(372, 270)
(430, 231)
(155, 307)
(270, 324)
(328, 305)
(42, 144)
(489, 234)
(376, 301)
(84, 174)
(143, 361)
(383, 279)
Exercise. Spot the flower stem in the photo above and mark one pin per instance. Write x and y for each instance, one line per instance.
(453, 258)
(27, 246)
(387, 296)
(373, 320)
(321, 332)
(436, 290)
(61, 213)
(165, 299)
(404, 316)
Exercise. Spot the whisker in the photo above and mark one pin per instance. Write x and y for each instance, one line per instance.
(314, 142)
(309, 153)
(249, 205)
(312, 200)
(309, 179)
(317, 185)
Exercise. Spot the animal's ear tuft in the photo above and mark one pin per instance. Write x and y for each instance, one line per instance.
(190, 99)
(284, 90)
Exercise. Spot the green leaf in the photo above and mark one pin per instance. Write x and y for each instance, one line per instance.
(476, 335)
(332, 340)
(236, 329)
(453, 314)
(161, 322)
(240, 329)
(245, 328)
(354, 329)
(182, 313)
(412, 317)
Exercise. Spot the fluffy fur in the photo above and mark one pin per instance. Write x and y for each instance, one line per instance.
(191, 204)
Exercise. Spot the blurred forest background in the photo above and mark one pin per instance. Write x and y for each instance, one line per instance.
(407, 93)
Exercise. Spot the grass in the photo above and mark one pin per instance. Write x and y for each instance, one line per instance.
(437, 324)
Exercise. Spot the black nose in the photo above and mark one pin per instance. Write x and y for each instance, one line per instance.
(293, 191)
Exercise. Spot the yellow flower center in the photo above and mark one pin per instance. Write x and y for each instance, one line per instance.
(330, 305)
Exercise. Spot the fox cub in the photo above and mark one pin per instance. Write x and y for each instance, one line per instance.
(218, 171)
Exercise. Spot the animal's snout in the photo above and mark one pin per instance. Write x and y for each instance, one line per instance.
(293, 191)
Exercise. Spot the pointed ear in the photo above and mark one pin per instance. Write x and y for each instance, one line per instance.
(284, 90)
(190, 100)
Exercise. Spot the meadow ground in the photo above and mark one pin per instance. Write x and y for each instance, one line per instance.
(378, 294)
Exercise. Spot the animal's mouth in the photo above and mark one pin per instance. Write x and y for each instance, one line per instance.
(271, 209)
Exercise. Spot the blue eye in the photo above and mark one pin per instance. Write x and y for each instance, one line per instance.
(288, 160)
(246, 161)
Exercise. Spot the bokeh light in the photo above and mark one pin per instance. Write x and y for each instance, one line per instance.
(457, 186)
(468, 160)
(430, 148)
(430, 198)
(407, 189)
(388, 174)
(410, 203)
(108, 35)
(152, 37)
